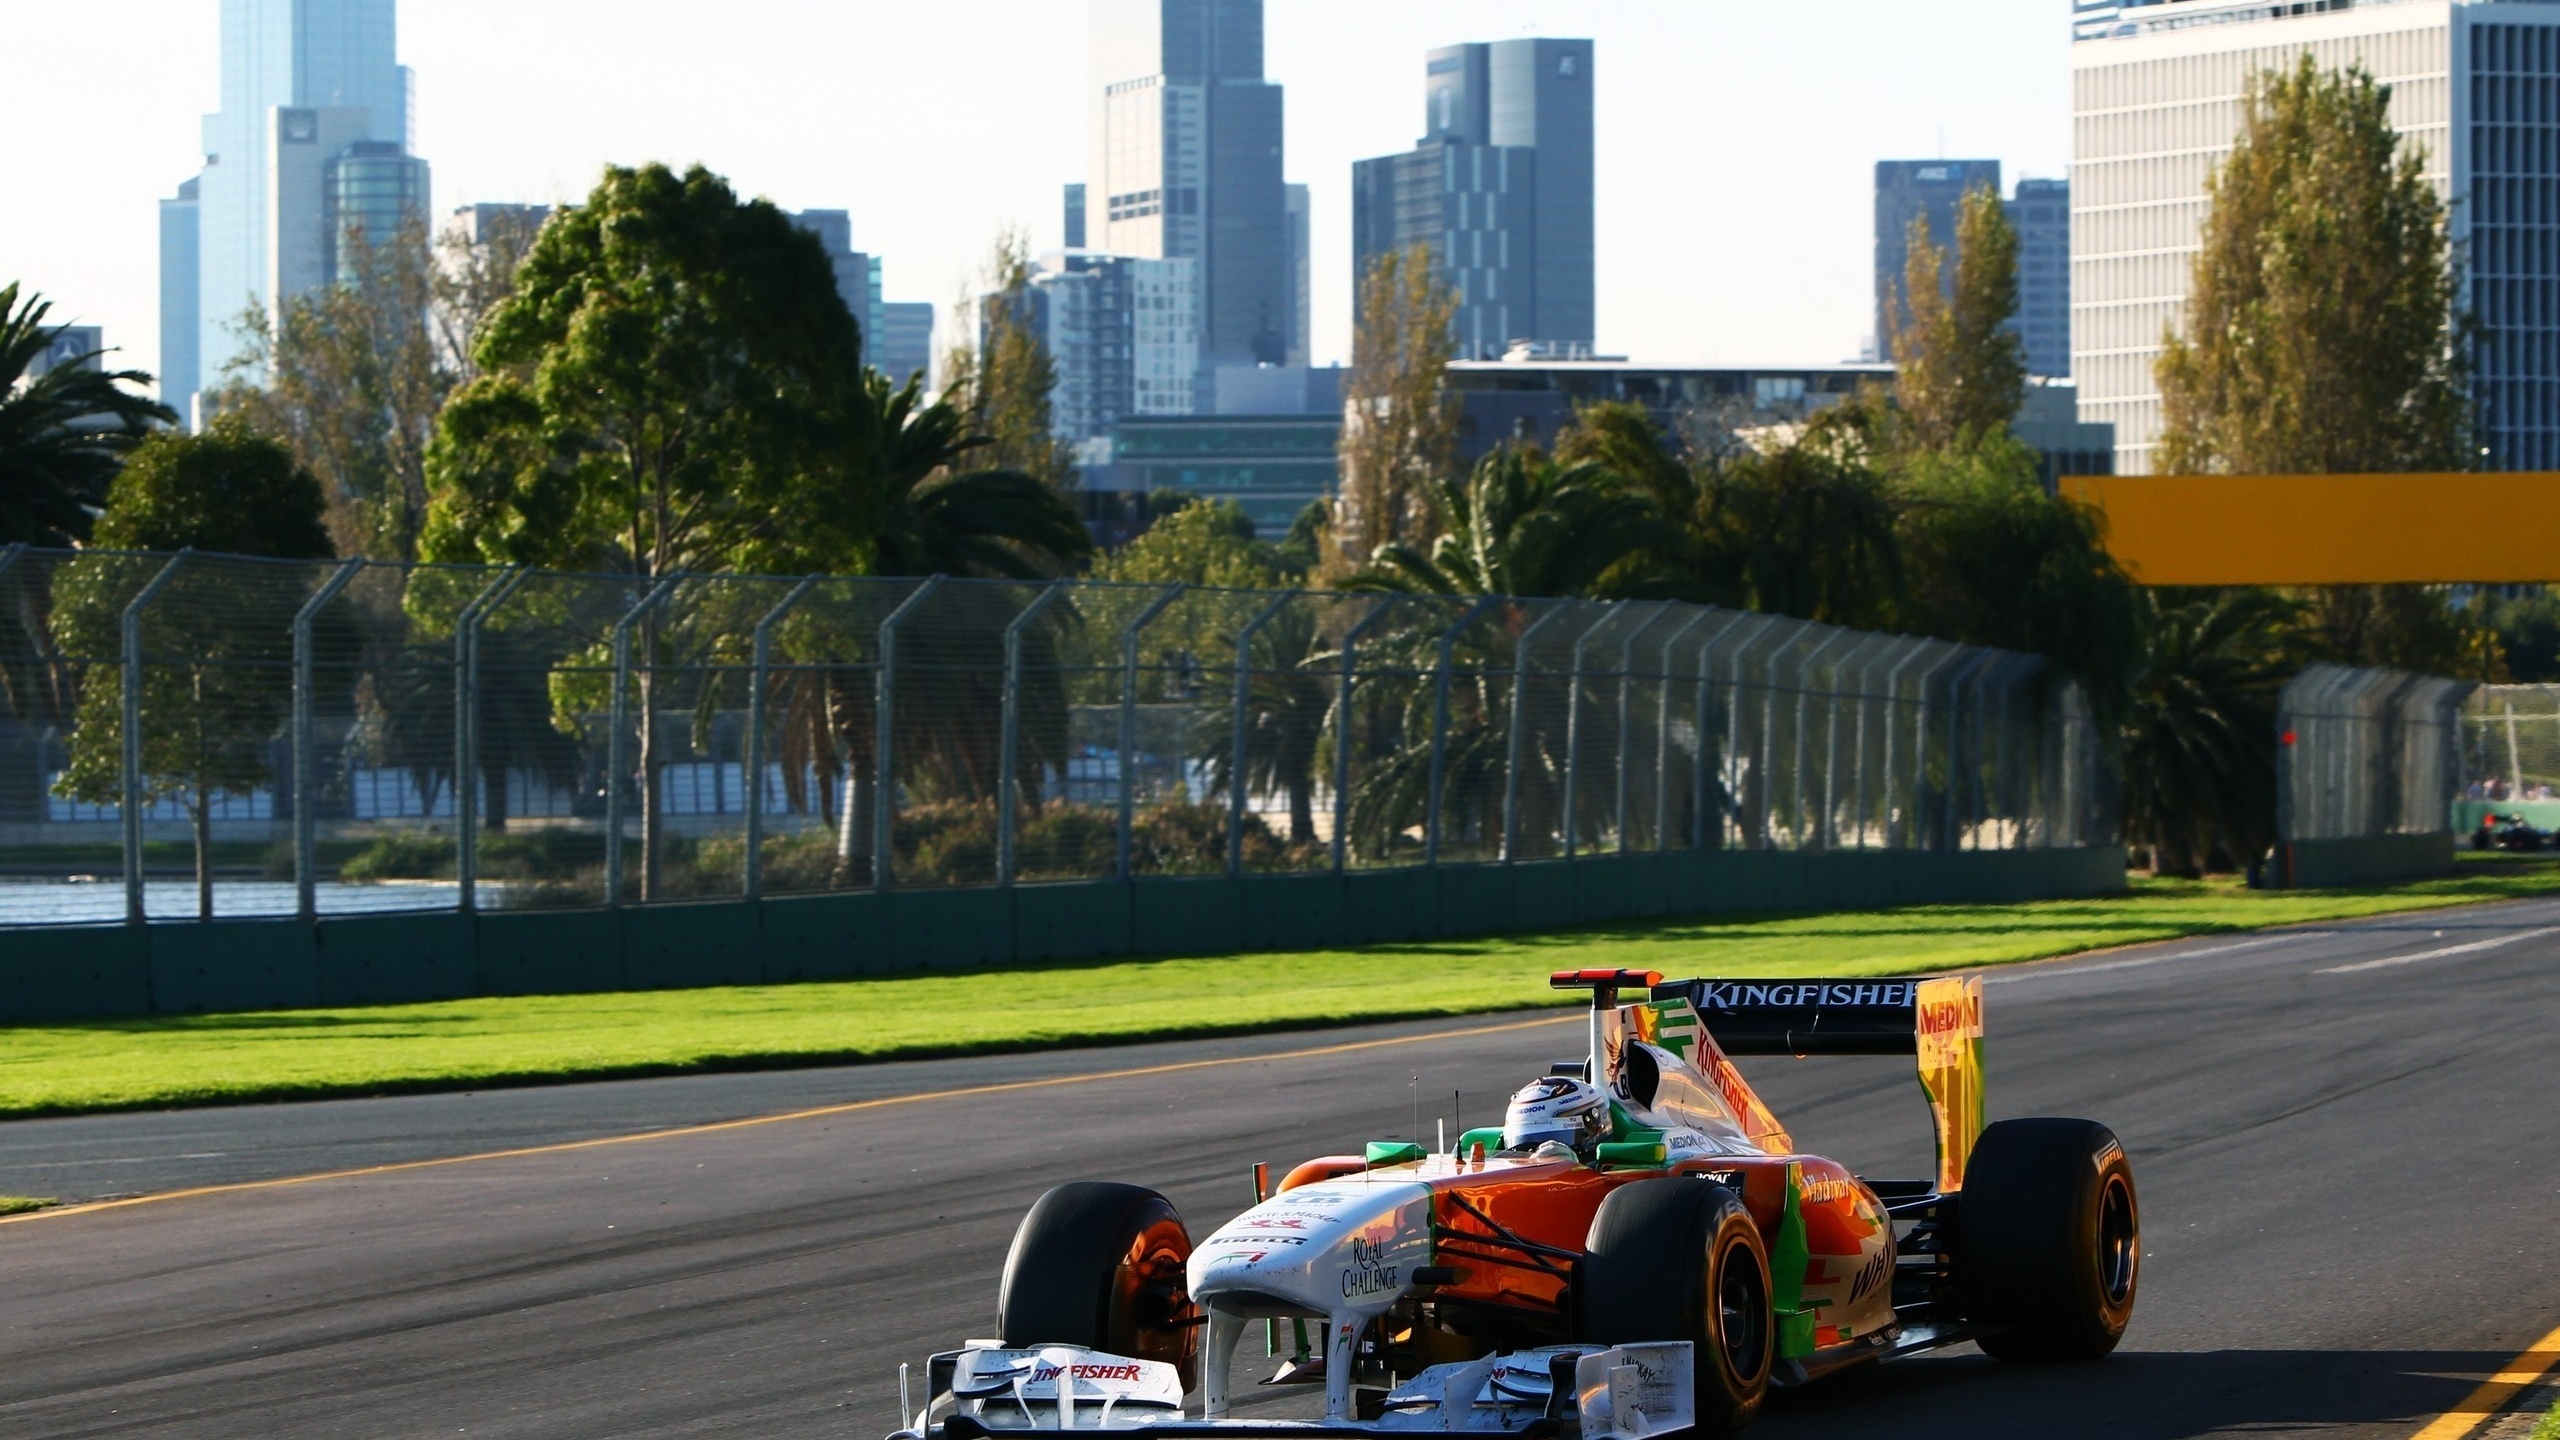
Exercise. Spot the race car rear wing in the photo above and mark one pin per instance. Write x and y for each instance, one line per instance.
(1936, 1019)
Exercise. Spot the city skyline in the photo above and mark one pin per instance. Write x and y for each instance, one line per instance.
(1681, 275)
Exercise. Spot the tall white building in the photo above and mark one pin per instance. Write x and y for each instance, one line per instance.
(1124, 334)
(310, 144)
(2157, 92)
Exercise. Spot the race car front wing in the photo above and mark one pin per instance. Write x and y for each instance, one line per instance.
(1568, 1392)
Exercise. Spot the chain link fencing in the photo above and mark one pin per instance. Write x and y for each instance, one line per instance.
(344, 737)
(2368, 763)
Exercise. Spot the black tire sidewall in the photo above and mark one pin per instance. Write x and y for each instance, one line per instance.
(1061, 1282)
(2029, 1251)
(1653, 1269)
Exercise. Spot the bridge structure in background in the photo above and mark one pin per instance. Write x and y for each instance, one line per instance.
(2486, 528)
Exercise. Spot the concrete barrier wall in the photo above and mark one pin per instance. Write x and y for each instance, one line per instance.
(2366, 859)
(103, 971)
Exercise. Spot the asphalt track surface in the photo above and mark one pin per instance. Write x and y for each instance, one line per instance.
(2347, 1140)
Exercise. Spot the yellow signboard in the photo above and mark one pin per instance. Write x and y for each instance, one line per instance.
(2491, 529)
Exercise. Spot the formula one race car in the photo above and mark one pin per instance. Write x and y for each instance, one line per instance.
(1638, 1250)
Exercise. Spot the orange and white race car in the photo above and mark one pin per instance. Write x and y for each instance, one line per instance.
(1639, 1249)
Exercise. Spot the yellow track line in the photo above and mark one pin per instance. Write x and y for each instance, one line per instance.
(2494, 1393)
(816, 1113)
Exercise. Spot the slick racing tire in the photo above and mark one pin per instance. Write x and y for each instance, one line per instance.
(1679, 1259)
(2049, 1239)
(1102, 1265)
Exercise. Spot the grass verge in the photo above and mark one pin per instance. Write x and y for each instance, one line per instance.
(466, 1044)
(20, 1204)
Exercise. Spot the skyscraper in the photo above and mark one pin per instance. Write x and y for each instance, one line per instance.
(2041, 214)
(1123, 332)
(1185, 163)
(1907, 190)
(1074, 216)
(2157, 96)
(1301, 274)
(304, 84)
(1499, 188)
(178, 280)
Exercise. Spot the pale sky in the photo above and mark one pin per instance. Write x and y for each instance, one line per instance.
(1736, 139)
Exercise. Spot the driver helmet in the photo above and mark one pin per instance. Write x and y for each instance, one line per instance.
(1555, 1108)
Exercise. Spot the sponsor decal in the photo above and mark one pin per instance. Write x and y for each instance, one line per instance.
(1784, 995)
(1303, 1197)
(1081, 1371)
(1266, 1241)
(1870, 1275)
(1371, 1273)
(1281, 1222)
(1959, 1016)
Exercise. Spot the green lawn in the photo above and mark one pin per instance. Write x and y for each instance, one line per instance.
(18, 1204)
(207, 1059)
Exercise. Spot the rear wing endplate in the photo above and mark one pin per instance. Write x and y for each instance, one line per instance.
(1937, 1020)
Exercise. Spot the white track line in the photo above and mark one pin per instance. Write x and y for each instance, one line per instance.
(2065, 969)
(2447, 952)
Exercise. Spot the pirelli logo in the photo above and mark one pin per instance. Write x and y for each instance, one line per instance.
(1733, 995)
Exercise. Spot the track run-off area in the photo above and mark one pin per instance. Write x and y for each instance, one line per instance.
(2346, 1137)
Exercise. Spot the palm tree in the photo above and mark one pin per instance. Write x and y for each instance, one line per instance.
(1523, 524)
(1286, 702)
(900, 504)
(2199, 729)
(64, 433)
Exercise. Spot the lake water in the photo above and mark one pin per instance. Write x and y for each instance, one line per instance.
(100, 901)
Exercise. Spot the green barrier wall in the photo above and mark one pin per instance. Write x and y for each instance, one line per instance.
(88, 972)
(2364, 859)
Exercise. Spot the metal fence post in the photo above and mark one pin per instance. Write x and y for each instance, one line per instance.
(306, 826)
(617, 745)
(1826, 830)
(1008, 764)
(1892, 701)
(1804, 690)
(1342, 727)
(129, 791)
(1782, 630)
(1951, 830)
(466, 732)
(1440, 726)
(1122, 842)
(884, 782)
(1626, 716)
(1698, 772)
(1242, 739)
(1662, 728)
(759, 676)
(1573, 731)
(1517, 740)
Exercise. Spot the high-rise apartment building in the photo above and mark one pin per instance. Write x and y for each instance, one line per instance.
(311, 141)
(1909, 190)
(900, 342)
(179, 277)
(1123, 332)
(2040, 212)
(2157, 97)
(1499, 189)
(1185, 163)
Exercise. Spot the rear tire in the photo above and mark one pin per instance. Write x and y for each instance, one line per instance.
(1676, 1259)
(1102, 1266)
(2049, 1239)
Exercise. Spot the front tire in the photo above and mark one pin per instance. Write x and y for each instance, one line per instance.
(2049, 1239)
(1102, 1266)
(1677, 1259)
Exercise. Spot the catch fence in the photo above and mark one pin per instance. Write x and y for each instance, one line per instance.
(2368, 763)
(354, 737)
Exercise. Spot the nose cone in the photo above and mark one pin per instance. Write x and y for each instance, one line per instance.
(1338, 1246)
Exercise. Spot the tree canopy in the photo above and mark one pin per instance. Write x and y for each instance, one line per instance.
(63, 433)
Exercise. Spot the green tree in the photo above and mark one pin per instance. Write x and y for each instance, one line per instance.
(1204, 543)
(63, 433)
(1992, 558)
(353, 375)
(1962, 372)
(2199, 727)
(217, 684)
(1002, 382)
(2322, 333)
(668, 369)
(1521, 524)
(1399, 423)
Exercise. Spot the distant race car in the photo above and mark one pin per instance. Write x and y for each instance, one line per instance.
(1639, 1249)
